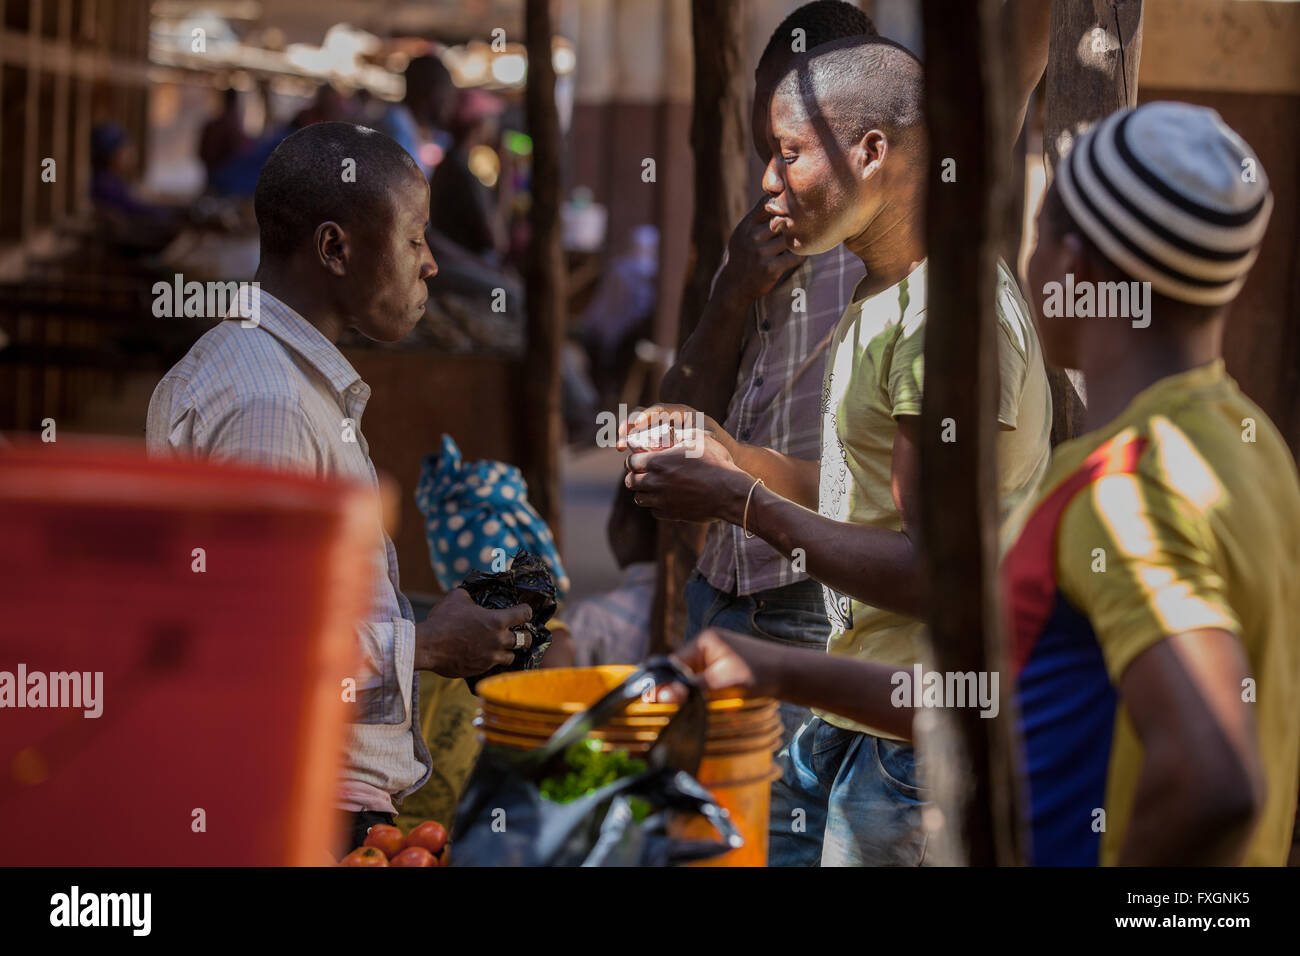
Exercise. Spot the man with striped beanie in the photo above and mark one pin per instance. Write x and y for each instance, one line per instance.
(1152, 591)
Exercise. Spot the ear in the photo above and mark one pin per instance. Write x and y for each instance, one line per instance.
(870, 153)
(1072, 258)
(332, 247)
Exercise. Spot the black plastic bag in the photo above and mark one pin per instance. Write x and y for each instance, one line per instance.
(503, 820)
(526, 581)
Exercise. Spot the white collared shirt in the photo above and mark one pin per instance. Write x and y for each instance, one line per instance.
(281, 395)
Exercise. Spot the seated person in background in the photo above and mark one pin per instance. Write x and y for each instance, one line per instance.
(614, 627)
(622, 313)
(461, 207)
(132, 224)
(222, 140)
(327, 106)
(467, 531)
(422, 115)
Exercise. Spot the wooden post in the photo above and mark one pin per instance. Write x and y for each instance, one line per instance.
(719, 140)
(966, 110)
(541, 423)
(1092, 70)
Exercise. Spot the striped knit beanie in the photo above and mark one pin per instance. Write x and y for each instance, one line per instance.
(1172, 196)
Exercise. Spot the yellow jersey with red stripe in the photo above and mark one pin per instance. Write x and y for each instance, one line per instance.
(1182, 513)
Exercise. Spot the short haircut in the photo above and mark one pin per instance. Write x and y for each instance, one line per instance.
(860, 84)
(303, 183)
(822, 21)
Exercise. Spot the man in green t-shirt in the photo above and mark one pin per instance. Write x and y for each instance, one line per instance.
(848, 148)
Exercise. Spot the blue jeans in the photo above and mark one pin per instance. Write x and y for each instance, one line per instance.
(792, 615)
(846, 799)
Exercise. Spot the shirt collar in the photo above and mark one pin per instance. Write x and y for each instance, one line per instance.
(1209, 375)
(304, 338)
(915, 281)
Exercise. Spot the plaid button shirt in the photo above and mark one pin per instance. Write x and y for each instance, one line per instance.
(279, 394)
(777, 401)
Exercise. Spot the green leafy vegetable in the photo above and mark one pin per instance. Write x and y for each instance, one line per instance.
(591, 768)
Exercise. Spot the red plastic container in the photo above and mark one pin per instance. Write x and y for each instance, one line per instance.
(221, 687)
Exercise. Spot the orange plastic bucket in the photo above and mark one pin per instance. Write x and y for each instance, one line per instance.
(521, 710)
(221, 680)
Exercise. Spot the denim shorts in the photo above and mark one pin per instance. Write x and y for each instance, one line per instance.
(846, 798)
(793, 615)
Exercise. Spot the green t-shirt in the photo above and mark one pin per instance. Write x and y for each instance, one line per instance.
(873, 377)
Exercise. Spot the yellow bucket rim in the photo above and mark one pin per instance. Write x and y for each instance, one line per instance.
(504, 690)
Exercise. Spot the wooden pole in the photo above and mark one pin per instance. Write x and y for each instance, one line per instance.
(719, 140)
(721, 143)
(540, 415)
(966, 111)
(1092, 70)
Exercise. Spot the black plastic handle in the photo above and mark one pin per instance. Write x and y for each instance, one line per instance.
(680, 744)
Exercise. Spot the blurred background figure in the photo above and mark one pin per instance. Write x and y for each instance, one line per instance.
(222, 139)
(329, 106)
(419, 121)
(461, 206)
(474, 512)
(131, 224)
(622, 313)
(614, 627)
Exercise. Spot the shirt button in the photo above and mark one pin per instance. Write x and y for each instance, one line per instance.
(355, 389)
(744, 435)
(758, 381)
(766, 326)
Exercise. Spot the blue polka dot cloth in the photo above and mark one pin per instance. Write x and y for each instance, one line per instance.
(476, 515)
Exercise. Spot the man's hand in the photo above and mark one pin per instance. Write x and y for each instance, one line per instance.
(695, 480)
(681, 419)
(757, 258)
(704, 374)
(725, 660)
(461, 639)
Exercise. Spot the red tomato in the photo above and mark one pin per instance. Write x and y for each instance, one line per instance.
(430, 834)
(365, 856)
(387, 838)
(415, 856)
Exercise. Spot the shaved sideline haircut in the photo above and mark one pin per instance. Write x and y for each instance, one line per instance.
(861, 84)
(822, 21)
(303, 183)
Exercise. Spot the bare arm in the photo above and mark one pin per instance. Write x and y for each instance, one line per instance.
(794, 478)
(1201, 787)
(704, 375)
(877, 566)
(1027, 24)
(858, 690)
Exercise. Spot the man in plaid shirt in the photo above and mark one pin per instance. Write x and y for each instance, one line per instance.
(758, 357)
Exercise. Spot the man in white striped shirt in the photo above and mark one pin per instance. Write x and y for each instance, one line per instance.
(342, 212)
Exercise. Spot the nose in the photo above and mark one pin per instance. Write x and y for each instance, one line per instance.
(773, 184)
(428, 265)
